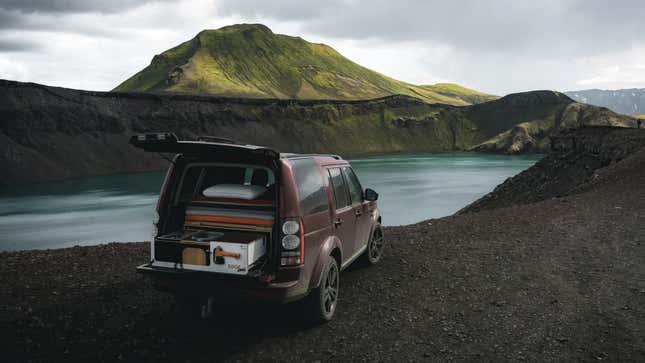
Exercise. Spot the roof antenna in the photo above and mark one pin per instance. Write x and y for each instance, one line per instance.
(166, 158)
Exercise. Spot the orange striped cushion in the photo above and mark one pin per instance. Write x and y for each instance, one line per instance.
(232, 220)
(263, 202)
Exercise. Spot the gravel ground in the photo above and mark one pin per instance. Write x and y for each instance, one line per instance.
(558, 280)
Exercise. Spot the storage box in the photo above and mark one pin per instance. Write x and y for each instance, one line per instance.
(211, 250)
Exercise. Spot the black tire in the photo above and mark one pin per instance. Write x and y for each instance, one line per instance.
(375, 247)
(324, 299)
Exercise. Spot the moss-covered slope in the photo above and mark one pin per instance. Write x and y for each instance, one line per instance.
(249, 60)
(459, 92)
(540, 115)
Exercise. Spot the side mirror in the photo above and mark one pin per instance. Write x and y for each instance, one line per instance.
(371, 195)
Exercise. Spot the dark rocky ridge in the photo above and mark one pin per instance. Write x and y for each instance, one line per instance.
(545, 114)
(579, 158)
(49, 133)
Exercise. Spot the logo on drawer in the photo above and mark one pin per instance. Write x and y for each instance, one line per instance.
(219, 254)
(235, 267)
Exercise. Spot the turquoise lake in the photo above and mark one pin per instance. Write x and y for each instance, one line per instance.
(119, 208)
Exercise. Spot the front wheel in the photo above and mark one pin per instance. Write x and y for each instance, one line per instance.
(375, 247)
(325, 297)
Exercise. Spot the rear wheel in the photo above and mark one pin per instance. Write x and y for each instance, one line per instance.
(375, 247)
(325, 297)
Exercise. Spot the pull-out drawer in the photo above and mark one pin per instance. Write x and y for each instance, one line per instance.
(220, 251)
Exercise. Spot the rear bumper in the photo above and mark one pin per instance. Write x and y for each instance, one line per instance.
(223, 286)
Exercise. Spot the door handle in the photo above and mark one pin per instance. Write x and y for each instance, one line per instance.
(358, 213)
(338, 222)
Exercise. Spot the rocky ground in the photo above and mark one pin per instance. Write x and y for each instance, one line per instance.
(562, 279)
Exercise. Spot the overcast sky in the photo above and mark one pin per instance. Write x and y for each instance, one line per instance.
(495, 46)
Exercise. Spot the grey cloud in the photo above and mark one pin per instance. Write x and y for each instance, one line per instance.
(7, 46)
(277, 9)
(565, 28)
(497, 46)
(72, 6)
(11, 20)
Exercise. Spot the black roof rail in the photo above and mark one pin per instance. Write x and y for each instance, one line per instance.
(222, 140)
(295, 156)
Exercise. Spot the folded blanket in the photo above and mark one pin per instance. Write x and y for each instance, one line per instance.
(226, 215)
(259, 214)
(233, 201)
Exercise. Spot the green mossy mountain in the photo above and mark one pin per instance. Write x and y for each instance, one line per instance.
(249, 60)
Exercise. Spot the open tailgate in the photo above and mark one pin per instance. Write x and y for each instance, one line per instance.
(167, 142)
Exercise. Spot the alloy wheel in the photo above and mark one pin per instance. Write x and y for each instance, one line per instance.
(330, 293)
(376, 245)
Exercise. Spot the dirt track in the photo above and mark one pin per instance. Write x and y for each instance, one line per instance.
(562, 279)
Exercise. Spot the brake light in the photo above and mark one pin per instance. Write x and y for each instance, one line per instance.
(292, 240)
(302, 243)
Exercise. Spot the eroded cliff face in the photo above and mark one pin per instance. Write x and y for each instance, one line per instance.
(49, 133)
(533, 136)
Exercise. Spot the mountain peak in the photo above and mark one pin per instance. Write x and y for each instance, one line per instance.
(244, 27)
(249, 60)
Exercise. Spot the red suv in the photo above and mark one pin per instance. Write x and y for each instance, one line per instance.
(244, 221)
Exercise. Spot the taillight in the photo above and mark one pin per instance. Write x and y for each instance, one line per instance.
(292, 240)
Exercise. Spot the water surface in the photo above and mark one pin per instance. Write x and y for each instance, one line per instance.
(120, 207)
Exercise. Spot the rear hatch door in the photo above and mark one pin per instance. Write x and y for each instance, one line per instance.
(169, 143)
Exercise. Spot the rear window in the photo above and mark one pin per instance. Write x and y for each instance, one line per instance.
(310, 186)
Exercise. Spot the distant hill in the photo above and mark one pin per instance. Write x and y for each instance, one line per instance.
(249, 60)
(628, 101)
(459, 92)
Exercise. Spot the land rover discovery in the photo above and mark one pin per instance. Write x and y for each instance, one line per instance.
(244, 221)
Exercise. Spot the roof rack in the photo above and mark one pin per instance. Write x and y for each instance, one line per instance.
(294, 156)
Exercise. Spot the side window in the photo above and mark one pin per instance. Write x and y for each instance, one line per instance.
(189, 181)
(355, 190)
(339, 187)
(310, 186)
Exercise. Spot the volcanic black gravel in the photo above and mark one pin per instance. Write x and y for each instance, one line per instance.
(558, 280)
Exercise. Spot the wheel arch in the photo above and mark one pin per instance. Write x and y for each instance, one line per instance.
(331, 248)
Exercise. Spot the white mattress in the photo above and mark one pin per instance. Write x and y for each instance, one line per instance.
(237, 191)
